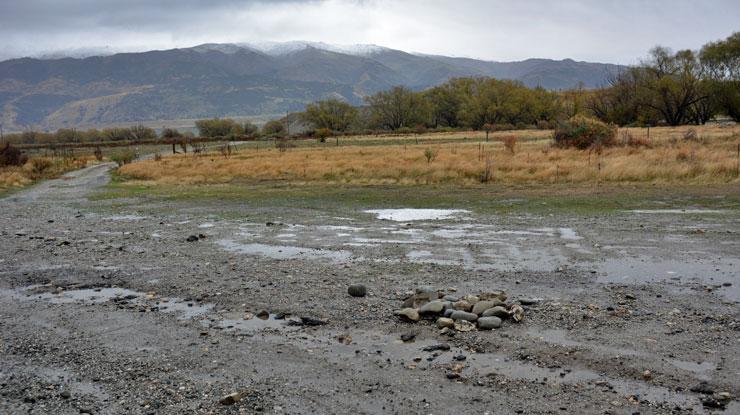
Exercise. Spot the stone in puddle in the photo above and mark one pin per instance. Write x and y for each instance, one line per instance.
(408, 314)
(408, 337)
(432, 307)
(231, 398)
(192, 238)
(463, 315)
(488, 323)
(497, 311)
(482, 306)
(262, 314)
(357, 290)
(443, 322)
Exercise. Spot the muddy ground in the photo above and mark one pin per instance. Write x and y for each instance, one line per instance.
(107, 308)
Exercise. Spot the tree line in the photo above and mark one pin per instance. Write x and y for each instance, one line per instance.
(678, 88)
(460, 103)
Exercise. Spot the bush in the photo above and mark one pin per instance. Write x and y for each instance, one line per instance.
(322, 134)
(275, 128)
(510, 143)
(40, 165)
(170, 133)
(98, 153)
(12, 156)
(583, 132)
(430, 154)
(691, 135)
(123, 157)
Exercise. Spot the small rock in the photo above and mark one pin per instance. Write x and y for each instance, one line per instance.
(65, 394)
(408, 314)
(408, 337)
(230, 399)
(263, 314)
(462, 305)
(357, 290)
(472, 299)
(517, 313)
(464, 325)
(453, 375)
(448, 312)
(488, 323)
(460, 357)
(443, 322)
(310, 321)
(703, 388)
(451, 298)
(494, 295)
(647, 375)
(425, 289)
(432, 308)
(463, 315)
(192, 238)
(435, 347)
(497, 311)
(529, 301)
(482, 306)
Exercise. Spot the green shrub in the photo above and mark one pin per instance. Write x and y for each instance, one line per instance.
(123, 157)
(40, 165)
(583, 132)
(12, 156)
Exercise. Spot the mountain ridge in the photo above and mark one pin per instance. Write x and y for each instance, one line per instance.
(224, 80)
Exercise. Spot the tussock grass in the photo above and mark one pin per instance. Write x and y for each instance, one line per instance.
(38, 168)
(668, 158)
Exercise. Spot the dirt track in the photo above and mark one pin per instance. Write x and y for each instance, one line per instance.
(109, 309)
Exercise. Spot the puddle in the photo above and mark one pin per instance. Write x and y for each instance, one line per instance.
(284, 251)
(560, 337)
(256, 324)
(91, 296)
(125, 217)
(388, 349)
(646, 270)
(407, 215)
(678, 211)
(569, 234)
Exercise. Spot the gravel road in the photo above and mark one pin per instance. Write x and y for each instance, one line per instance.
(150, 307)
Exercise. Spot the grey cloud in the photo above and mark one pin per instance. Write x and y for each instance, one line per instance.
(608, 30)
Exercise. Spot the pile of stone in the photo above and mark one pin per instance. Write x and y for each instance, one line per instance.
(484, 311)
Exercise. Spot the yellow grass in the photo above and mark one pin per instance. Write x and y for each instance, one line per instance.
(16, 177)
(671, 159)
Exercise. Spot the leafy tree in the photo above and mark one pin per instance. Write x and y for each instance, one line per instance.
(331, 114)
(397, 108)
(274, 128)
(170, 133)
(721, 63)
(250, 130)
(219, 127)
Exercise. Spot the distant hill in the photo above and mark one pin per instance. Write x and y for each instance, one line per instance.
(239, 80)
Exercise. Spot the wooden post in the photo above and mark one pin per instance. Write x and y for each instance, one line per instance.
(737, 162)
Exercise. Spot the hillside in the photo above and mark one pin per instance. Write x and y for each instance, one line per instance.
(237, 80)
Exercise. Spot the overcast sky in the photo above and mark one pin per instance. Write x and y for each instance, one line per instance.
(592, 30)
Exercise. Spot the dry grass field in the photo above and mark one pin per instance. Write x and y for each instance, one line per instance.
(666, 157)
(38, 168)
